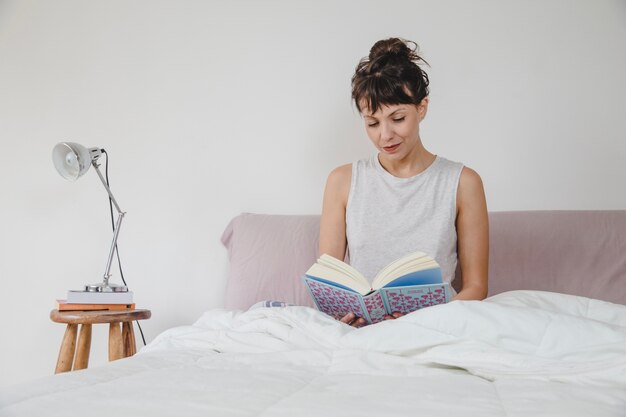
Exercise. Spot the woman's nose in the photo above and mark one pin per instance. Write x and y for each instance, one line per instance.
(386, 132)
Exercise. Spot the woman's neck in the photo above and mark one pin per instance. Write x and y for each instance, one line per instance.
(409, 166)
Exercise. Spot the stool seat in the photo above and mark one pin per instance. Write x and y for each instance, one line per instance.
(99, 316)
(121, 341)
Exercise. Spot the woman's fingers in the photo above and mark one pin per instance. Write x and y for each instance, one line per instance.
(393, 315)
(348, 318)
(353, 320)
(360, 322)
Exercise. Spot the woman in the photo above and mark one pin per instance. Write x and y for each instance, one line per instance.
(405, 198)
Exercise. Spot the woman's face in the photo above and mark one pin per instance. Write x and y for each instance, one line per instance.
(394, 129)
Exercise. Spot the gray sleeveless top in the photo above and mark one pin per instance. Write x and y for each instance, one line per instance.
(388, 217)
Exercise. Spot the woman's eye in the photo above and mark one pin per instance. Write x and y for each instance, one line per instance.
(398, 120)
(372, 124)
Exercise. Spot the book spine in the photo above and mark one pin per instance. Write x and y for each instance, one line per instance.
(88, 307)
(375, 306)
(366, 314)
(383, 295)
(84, 297)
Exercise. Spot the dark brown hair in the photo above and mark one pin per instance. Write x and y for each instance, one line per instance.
(390, 75)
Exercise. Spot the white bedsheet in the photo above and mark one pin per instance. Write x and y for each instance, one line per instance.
(521, 353)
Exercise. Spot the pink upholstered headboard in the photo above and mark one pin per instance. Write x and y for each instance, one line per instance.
(268, 254)
(573, 252)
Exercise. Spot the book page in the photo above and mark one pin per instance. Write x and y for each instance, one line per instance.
(416, 261)
(335, 263)
(329, 272)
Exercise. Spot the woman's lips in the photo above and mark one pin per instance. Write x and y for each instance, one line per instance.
(391, 148)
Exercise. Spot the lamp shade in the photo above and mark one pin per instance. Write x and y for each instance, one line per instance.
(71, 159)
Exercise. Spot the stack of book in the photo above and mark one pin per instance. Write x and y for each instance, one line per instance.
(84, 300)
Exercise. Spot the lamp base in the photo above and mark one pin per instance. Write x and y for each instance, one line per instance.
(102, 287)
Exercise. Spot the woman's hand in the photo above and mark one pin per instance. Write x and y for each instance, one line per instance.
(393, 315)
(352, 320)
(355, 321)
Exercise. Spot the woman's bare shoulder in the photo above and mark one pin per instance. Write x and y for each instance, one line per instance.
(471, 192)
(470, 182)
(341, 173)
(339, 180)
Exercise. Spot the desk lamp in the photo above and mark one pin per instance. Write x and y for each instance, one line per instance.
(72, 161)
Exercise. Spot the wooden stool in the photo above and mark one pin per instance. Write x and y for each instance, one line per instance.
(121, 342)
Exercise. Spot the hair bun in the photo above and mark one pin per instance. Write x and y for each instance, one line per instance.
(393, 51)
(391, 46)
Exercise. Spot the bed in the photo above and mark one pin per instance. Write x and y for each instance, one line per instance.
(549, 341)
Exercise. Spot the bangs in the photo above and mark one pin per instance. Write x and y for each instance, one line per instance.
(376, 91)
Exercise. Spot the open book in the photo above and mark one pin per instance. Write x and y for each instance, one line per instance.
(405, 285)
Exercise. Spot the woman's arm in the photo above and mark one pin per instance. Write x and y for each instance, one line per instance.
(333, 222)
(472, 226)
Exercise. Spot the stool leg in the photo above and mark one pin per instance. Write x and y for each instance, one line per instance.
(68, 346)
(115, 342)
(132, 339)
(84, 346)
(128, 339)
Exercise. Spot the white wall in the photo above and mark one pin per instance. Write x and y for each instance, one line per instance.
(209, 109)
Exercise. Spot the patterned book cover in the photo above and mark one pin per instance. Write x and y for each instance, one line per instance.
(336, 301)
(413, 297)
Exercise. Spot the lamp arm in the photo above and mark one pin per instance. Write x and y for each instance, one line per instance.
(95, 165)
(118, 223)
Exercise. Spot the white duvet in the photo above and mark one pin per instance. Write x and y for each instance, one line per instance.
(521, 353)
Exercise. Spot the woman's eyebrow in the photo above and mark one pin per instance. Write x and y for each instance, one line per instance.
(389, 115)
(394, 112)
